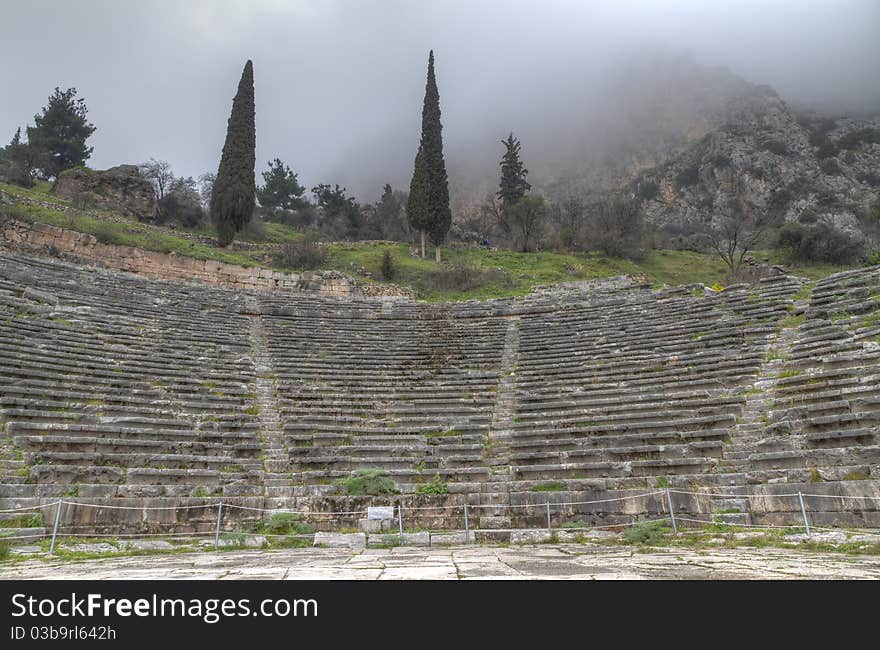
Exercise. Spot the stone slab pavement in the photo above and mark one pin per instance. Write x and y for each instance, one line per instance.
(539, 562)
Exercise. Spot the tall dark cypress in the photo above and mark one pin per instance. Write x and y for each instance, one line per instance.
(428, 205)
(513, 186)
(232, 200)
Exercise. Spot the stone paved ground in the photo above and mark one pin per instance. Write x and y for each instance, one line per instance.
(581, 562)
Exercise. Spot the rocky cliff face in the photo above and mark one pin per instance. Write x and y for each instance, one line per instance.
(119, 189)
(786, 167)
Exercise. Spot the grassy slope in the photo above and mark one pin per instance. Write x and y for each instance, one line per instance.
(505, 273)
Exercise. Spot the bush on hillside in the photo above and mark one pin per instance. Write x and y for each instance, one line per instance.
(819, 242)
(301, 254)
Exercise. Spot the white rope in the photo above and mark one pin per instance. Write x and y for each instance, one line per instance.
(95, 505)
(871, 532)
(633, 523)
(835, 496)
(141, 535)
(294, 512)
(39, 507)
(34, 536)
(635, 496)
(724, 523)
(732, 496)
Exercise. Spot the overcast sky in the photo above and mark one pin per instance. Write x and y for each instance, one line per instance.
(339, 83)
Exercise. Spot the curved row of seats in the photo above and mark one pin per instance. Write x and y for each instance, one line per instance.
(115, 386)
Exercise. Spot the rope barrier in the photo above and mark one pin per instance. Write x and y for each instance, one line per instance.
(523, 506)
(34, 536)
(296, 512)
(23, 508)
(109, 507)
(836, 496)
(724, 523)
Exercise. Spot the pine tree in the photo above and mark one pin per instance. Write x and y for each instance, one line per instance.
(232, 198)
(513, 185)
(19, 161)
(281, 189)
(61, 132)
(428, 203)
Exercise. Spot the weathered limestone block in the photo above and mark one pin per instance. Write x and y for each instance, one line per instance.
(341, 540)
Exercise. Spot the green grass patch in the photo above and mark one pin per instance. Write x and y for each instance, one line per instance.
(286, 523)
(790, 322)
(367, 482)
(647, 533)
(24, 521)
(464, 274)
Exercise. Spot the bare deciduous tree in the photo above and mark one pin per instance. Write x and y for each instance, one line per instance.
(735, 233)
(525, 219)
(160, 174)
(615, 226)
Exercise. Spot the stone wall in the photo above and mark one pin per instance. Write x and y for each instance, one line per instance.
(43, 239)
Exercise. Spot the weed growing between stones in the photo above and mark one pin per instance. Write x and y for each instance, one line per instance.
(435, 486)
(650, 533)
(368, 482)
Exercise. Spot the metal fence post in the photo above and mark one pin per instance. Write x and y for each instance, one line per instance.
(549, 530)
(400, 521)
(467, 530)
(671, 512)
(55, 528)
(217, 530)
(804, 513)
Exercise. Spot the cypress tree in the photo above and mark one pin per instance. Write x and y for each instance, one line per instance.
(232, 199)
(513, 186)
(428, 204)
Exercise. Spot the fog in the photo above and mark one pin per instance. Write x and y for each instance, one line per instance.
(339, 84)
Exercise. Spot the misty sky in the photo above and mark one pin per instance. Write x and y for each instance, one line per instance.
(339, 84)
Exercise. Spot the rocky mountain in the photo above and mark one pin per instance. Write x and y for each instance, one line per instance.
(788, 167)
(689, 141)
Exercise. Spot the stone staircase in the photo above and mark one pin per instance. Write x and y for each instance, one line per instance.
(497, 450)
(276, 477)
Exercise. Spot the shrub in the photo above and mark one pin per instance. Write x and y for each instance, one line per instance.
(688, 176)
(23, 521)
(181, 207)
(831, 167)
(368, 482)
(254, 231)
(775, 147)
(434, 486)
(463, 277)
(106, 233)
(301, 254)
(651, 533)
(388, 268)
(853, 139)
(647, 190)
(615, 227)
(4, 549)
(827, 150)
(287, 523)
(819, 243)
(870, 178)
